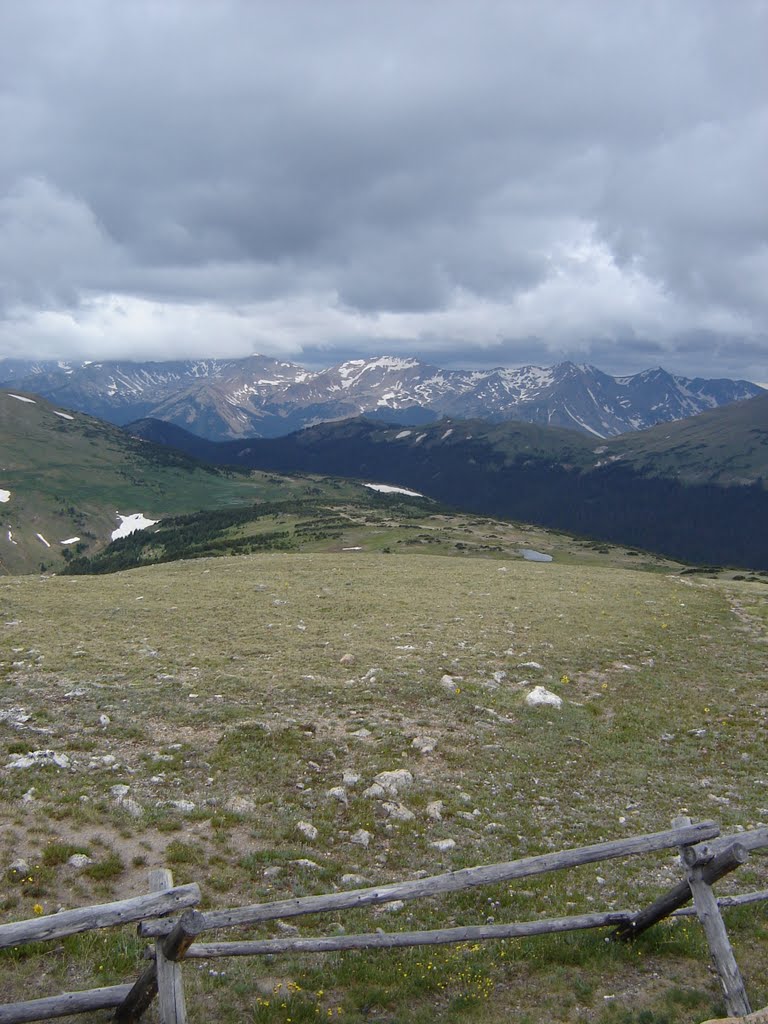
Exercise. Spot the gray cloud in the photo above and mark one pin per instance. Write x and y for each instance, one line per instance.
(480, 183)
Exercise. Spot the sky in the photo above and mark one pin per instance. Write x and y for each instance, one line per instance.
(472, 182)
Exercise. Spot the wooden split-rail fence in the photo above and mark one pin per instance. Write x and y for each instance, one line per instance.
(705, 856)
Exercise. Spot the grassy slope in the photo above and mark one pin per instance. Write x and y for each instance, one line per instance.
(222, 682)
(725, 446)
(68, 478)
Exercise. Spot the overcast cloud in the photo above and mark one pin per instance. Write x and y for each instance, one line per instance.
(476, 183)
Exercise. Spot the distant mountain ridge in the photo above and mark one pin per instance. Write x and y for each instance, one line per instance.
(257, 396)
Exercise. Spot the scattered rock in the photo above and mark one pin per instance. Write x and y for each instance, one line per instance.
(374, 792)
(361, 838)
(350, 778)
(392, 782)
(308, 865)
(530, 664)
(182, 805)
(338, 793)
(240, 805)
(435, 810)
(362, 734)
(443, 845)
(119, 794)
(308, 830)
(353, 881)
(134, 809)
(19, 867)
(371, 676)
(273, 872)
(450, 683)
(397, 811)
(80, 860)
(39, 758)
(424, 744)
(285, 928)
(539, 696)
(390, 908)
(29, 796)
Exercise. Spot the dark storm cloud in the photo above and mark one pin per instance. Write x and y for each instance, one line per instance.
(495, 182)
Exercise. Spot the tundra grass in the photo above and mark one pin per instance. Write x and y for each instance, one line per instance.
(208, 707)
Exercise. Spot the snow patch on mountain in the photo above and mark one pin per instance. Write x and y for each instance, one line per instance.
(131, 523)
(389, 489)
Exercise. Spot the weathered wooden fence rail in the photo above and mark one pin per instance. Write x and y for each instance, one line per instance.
(705, 855)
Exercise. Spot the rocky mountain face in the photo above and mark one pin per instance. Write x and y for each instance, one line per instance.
(262, 397)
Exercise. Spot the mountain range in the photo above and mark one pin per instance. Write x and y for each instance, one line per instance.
(262, 397)
(695, 489)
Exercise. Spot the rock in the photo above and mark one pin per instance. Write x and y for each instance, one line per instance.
(541, 697)
(182, 805)
(29, 796)
(347, 659)
(39, 758)
(374, 792)
(273, 872)
(104, 720)
(80, 860)
(285, 928)
(338, 793)
(362, 734)
(19, 867)
(392, 782)
(435, 810)
(397, 811)
(352, 881)
(391, 908)
(371, 676)
(350, 778)
(134, 809)
(530, 664)
(308, 830)
(443, 845)
(361, 838)
(240, 805)
(308, 865)
(119, 794)
(449, 683)
(424, 744)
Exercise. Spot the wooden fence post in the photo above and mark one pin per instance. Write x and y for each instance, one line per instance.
(721, 864)
(708, 912)
(170, 985)
(162, 977)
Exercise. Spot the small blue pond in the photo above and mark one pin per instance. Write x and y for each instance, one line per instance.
(534, 556)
